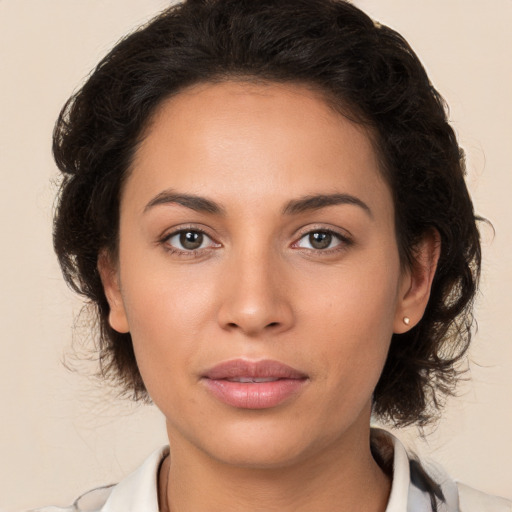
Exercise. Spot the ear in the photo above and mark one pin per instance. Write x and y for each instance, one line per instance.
(416, 282)
(110, 279)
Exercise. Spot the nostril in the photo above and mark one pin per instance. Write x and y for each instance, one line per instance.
(273, 324)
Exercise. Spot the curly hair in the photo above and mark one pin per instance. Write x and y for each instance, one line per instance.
(369, 72)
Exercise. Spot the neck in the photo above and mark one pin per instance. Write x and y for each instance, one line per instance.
(344, 476)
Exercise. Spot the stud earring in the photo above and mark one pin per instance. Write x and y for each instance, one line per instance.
(407, 320)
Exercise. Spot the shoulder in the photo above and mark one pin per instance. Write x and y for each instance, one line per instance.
(135, 493)
(471, 500)
(459, 497)
(91, 501)
(423, 486)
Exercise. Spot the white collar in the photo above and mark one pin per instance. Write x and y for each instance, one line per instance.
(138, 491)
(401, 479)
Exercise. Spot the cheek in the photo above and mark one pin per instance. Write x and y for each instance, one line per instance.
(359, 296)
(167, 311)
(354, 322)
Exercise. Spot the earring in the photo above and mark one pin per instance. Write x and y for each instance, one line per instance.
(407, 320)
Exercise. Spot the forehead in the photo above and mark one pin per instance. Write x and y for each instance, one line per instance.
(257, 141)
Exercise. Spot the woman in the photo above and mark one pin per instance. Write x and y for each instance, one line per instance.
(266, 204)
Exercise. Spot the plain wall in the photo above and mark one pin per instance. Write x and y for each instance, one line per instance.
(62, 434)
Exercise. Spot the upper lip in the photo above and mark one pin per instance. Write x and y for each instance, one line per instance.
(253, 369)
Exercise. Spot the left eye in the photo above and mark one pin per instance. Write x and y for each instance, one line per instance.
(189, 240)
(319, 240)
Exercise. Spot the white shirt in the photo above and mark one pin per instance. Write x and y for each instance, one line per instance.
(138, 491)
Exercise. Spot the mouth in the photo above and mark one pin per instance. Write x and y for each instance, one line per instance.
(254, 380)
(254, 384)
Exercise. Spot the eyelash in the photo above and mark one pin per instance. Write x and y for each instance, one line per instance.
(343, 242)
(165, 241)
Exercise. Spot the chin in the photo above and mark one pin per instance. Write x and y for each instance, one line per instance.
(266, 444)
(262, 454)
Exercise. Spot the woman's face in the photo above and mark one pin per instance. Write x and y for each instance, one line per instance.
(258, 272)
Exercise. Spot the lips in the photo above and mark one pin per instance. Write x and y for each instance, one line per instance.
(253, 385)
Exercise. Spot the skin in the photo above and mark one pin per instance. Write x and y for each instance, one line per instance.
(258, 289)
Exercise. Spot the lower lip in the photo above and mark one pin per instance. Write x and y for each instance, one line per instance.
(254, 395)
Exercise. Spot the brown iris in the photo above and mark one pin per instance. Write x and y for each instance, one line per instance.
(320, 239)
(191, 240)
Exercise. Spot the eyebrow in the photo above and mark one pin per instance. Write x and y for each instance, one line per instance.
(196, 203)
(293, 207)
(316, 202)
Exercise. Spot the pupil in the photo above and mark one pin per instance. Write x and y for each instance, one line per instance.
(191, 240)
(320, 240)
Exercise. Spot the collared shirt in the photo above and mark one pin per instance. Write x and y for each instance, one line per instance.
(138, 491)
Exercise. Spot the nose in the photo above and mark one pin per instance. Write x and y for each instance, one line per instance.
(256, 299)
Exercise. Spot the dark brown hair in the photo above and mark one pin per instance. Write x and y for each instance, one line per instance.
(367, 70)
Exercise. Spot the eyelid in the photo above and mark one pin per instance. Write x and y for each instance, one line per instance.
(167, 235)
(342, 235)
(345, 239)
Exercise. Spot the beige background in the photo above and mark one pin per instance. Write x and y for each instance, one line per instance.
(59, 433)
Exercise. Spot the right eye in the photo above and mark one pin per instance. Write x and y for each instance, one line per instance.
(189, 240)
